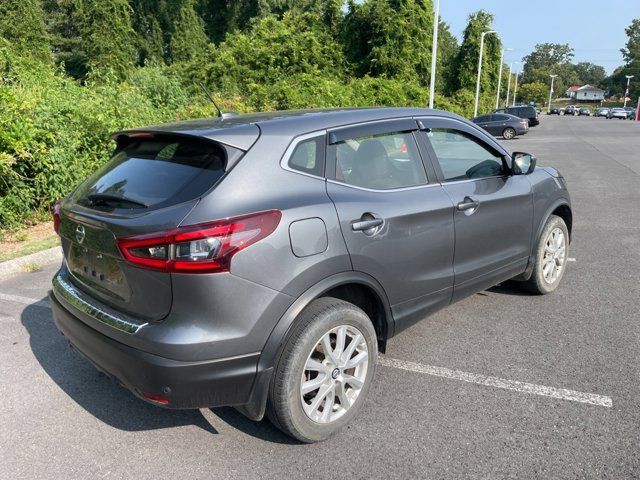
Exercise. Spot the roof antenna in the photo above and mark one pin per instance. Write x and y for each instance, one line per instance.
(220, 114)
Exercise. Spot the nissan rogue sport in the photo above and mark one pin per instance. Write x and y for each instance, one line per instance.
(262, 261)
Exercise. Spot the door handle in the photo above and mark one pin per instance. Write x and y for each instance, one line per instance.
(468, 204)
(362, 225)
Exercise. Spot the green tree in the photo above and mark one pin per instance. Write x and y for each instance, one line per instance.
(188, 39)
(93, 35)
(447, 52)
(533, 92)
(589, 73)
(465, 67)
(22, 24)
(631, 54)
(390, 38)
(151, 22)
(272, 50)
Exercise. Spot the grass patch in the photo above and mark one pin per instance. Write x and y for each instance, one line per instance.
(26, 241)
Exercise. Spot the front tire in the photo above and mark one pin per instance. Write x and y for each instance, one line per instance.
(550, 257)
(508, 133)
(324, 372)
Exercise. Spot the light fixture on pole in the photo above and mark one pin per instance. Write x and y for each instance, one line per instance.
(500, 75)
(475, 108)
(626, 92)
(506, 104)
(551, 92)
(515, 89)
(434, 52)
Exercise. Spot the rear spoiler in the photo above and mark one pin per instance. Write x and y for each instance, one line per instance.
(241, 137)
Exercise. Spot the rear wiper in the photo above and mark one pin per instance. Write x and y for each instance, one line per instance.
(105, 198)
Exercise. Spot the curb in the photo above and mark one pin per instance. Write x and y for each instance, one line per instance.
(17, 265)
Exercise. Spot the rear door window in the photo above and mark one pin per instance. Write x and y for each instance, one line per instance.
(153, 172)
(379, 162)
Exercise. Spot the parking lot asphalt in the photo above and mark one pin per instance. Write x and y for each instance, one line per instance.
(444, 403)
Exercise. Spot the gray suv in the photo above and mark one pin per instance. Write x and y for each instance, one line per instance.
(263, 261)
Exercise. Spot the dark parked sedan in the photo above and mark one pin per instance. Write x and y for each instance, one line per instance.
(631, 113)
(502, 124)
(555, 110)
(571, 110)
(601, 112)
(261, 260)
(584, 111)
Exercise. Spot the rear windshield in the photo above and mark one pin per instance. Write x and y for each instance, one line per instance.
(153, 173)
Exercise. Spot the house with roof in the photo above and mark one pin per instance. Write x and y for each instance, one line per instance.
(585, 93)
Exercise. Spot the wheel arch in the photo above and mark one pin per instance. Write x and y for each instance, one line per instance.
(356, 287)
(560, 207)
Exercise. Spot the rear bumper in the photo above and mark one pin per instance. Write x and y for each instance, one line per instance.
(221, 382)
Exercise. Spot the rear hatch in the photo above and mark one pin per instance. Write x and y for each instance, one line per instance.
(150, 185)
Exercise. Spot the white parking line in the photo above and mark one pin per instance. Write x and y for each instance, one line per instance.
(571, 259)
(25, 300)
(561, 393)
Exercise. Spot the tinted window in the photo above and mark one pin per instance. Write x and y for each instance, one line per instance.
(379, 162)
(154, 172)
(500, 118)
(483, 118)
(308, 156)
(462, 156)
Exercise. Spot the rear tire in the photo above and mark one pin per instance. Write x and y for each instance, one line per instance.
(508, 133)
(550, 257)
(316, 389)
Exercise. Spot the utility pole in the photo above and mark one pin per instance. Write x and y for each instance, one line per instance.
(626, 93)
(434, 53)
(551, 92)
(506, 104)
(500, 76)
(515, 89)
(475, 108)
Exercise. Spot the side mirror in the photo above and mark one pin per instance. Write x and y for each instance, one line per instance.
(522, 163)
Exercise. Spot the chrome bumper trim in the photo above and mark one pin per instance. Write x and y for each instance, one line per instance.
(70, 294)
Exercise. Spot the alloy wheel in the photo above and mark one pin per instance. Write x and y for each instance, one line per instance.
(334, 374)
(555, 252)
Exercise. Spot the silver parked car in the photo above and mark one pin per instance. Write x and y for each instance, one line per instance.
(619, 113)
(262, 261)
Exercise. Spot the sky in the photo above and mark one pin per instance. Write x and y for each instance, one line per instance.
(595, 29)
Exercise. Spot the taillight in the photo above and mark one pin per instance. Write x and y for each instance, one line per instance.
(55, 212)
(203, 248)
(156, 398)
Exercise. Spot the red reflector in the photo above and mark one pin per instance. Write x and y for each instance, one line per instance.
(403, 148)
(156, 398)
(203, 248)
(57, 220)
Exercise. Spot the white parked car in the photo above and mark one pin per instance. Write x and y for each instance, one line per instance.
(619, 113)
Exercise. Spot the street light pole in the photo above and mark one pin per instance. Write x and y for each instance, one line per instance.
(506, 104)
(626, 93)
(475, 108)
(500, 76)
(515, 89)
(551, 92)
(434, 52)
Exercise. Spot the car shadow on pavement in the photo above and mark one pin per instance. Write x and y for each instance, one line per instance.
(263, 430)
(509, 288)
(92, 390)
(109, 402)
